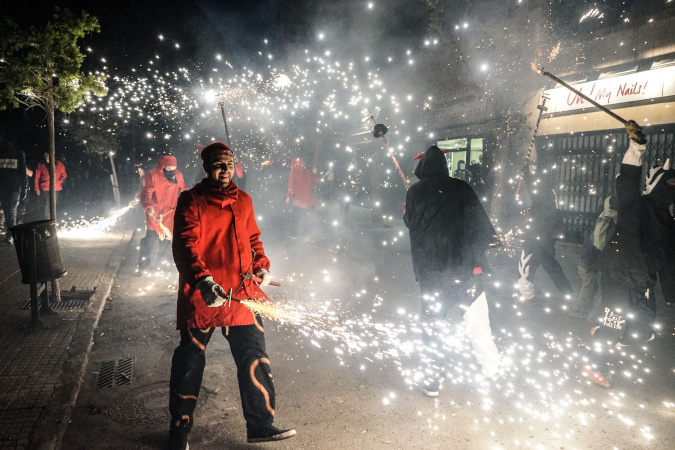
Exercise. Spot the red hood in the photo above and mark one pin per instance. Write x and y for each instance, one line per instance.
(297, 164)
(167, 160)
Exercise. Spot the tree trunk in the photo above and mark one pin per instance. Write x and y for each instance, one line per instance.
(52, 150)
(56, 289)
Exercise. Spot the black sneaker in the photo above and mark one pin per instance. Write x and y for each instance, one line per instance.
(268, 433)
(178, 443)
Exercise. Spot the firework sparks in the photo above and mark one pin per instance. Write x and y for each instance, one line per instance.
(91, 229)
(276, 311)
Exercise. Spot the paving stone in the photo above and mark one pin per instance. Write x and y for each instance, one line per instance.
(32, 361)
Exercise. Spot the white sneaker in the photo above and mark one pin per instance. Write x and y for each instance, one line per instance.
(430, 388)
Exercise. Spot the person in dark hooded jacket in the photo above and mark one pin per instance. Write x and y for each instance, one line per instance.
(13, 184)
(545, 227)
(641, 247)
(449, 234)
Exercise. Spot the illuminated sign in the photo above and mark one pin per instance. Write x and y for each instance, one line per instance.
(452, 144)
(635, 87)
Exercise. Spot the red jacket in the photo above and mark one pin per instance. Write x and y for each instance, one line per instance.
(300, 182)
(214, 233)
(161, 195)
(42, 177)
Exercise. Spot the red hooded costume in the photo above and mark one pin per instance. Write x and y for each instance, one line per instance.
(214, 233)
(300, 182)
(161, 194)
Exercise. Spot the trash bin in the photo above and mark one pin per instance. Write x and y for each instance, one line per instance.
(48, 256)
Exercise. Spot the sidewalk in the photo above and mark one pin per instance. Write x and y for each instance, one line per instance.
(41, 368)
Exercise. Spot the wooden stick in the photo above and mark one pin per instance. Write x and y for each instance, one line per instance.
(585, 97)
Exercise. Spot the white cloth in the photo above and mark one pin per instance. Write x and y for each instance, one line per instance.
(477, 322)
(525, 286)
(634, 154)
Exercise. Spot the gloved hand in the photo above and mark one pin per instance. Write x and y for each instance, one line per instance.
(266, 277)
(288, 199)
(151, 212)
(212, 293)
(635, 132)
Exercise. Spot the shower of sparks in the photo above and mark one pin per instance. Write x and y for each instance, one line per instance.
(276, 311)
(592, 14)
(90, 229)
(540, 374)
(554, 52)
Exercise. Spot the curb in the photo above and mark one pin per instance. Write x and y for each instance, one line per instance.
(54, 420)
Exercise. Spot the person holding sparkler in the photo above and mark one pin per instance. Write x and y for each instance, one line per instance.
(159, 196)
(217, 251)
(545, 227)
(449, 234)
(642, 246)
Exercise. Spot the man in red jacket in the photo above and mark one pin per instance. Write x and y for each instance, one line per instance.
(217, 249)
(159, 196)
(42, 185)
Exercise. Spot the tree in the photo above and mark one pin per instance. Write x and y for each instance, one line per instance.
(42, 68)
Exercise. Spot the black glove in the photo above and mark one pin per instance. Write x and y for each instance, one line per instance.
(635, 132)
(212, 293)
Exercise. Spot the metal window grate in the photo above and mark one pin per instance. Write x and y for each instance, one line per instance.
(586, 166)
(119, 372)
(70, 300)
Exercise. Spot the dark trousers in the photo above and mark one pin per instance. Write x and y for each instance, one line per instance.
(147, 244)
(627, 319)
(42, 205)
(9, 200)
(585, 300)
(254, 374)
(299, 220)
(667, 281)
(443, 299)
(542, 254)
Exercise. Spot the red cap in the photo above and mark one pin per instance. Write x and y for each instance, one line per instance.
(215, 149)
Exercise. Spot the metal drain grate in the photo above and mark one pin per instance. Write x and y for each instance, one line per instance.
(69, 300)
(119, 372)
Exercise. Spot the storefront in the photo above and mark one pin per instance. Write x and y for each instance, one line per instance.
(584, 146)
(463, 153)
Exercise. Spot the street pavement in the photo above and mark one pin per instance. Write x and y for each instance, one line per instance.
(343, 376)
(41, 366)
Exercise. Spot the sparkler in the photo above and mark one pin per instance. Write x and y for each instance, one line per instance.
(380, 131)
(222, 105)
(542, 108)
(579, 93)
